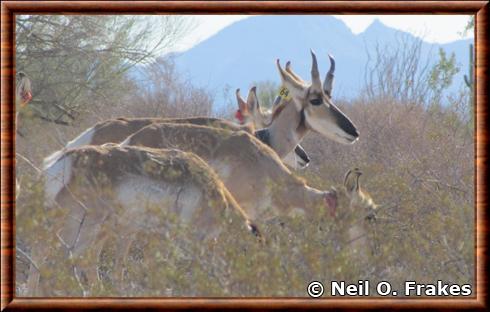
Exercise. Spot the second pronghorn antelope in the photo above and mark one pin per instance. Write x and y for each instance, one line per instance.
(362, 208)
(251, 171)
(135, 189)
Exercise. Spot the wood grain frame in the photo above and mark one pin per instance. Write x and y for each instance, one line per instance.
(10, 8)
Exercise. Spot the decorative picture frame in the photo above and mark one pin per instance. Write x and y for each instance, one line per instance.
(480, 9)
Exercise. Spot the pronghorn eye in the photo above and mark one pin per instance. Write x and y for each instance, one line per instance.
(316, 102)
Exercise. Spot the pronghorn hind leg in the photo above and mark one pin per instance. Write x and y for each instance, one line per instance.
(33, 281)
(122, 245)
(88, 271)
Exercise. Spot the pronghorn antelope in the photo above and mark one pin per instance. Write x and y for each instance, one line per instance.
(362, 207)
(116, 130)
(23, 95)
(358, 197)
(250, 112)
(307, 109)
(251, 171)
(246, 115)
(23, 92)
(135, 188)
(316, 110)
(289, 125)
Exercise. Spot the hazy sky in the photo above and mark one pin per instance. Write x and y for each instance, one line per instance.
(433, 28)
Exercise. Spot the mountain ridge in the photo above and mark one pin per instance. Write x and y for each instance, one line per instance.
(245, 52)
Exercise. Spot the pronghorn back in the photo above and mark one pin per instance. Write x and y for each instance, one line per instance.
(116, 130)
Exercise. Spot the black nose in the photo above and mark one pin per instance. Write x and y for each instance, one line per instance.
(344, 122)
(301, 153)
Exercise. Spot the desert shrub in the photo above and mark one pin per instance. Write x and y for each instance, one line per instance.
(418, 162)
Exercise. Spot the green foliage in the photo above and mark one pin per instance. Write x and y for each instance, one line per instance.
(470, 25)
(442, 74)
(77, 63)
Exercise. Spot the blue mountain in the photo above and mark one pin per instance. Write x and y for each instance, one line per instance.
(246, 51)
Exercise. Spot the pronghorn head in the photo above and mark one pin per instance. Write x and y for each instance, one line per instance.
(243, 113)
(358, 198)
(23, 89)
(321, 115)
(250, 112)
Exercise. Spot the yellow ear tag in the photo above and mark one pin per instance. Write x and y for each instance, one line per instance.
(284, 94)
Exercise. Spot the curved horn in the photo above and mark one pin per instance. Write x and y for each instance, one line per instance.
(331, 71)
(315, 74)
(328, 83)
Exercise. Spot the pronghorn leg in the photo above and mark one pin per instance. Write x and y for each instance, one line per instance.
(123, 245)
(33, 278)
(89, 270)
(81, 237)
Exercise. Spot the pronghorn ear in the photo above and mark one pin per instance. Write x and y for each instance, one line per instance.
(296, 88)
(328, 82)
(293, 74)
(242, 105)
(252, 100)
(347, 174)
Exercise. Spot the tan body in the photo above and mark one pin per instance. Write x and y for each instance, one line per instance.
(251, 171)
(133, 189)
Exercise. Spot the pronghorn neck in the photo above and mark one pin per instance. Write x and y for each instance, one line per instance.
(287, 129)
(303, 200)
(263, 118)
